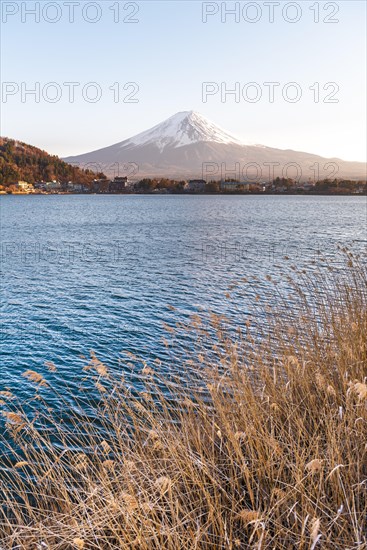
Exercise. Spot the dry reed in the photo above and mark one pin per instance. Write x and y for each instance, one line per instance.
(266, 449)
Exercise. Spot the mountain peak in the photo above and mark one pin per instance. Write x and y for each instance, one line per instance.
(183, 128)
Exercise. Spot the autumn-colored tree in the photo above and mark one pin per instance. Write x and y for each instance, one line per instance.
(19, 161)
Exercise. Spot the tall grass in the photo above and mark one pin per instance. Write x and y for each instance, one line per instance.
(265, 449)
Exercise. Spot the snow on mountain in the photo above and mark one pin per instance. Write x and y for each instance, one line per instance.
(181, 129)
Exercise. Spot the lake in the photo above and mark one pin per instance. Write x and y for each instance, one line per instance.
(100, 272)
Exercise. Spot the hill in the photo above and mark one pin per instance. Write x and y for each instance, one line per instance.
(20, 161)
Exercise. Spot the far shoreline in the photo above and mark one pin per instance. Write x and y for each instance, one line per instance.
(264, 193)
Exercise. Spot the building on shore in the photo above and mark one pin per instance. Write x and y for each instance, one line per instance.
(234, 186)
(100, 186)
(24, 187)
(195, 186)
(53, 186)
(75, 187)
(118, 185)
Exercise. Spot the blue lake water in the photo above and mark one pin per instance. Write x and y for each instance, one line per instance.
(81, 273)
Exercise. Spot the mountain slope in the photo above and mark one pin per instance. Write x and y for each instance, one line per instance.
(188, 145)
(20, 161)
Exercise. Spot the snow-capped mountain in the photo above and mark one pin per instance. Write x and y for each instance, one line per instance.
(187, 145)
(184, 128)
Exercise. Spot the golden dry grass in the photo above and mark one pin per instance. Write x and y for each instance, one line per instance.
(266, 449)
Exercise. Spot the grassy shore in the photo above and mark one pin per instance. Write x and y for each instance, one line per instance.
(266, 449)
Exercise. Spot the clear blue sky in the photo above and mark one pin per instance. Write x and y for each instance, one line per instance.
(169, 53)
